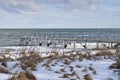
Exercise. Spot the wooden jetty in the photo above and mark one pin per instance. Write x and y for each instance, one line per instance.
(67, 37)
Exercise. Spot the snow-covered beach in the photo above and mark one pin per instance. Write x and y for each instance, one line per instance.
(58, 63)
(59, 39)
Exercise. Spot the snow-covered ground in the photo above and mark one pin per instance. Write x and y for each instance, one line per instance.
(57, 68)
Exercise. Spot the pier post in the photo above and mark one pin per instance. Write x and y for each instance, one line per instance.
(85, 41)
(46, 38)
(74, 43)
(111, 45)
(97, 44)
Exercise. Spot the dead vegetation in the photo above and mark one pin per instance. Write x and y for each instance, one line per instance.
(78, 66)
(92, 69)
(4, 70)
(73, 76)
(4, 64)
(29, 60)
(105, 54)
(117, 53)
(27, 75)
(109, 78)
(85, 69)
(117, 56)
(87, 77)
(94, 72)
(115, 65)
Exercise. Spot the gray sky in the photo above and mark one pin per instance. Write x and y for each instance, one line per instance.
(59, 13)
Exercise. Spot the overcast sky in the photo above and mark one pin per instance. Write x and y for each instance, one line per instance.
(59, 13)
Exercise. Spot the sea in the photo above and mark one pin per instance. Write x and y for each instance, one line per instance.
(11, 37)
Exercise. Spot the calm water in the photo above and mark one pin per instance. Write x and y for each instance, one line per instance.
(11, 36)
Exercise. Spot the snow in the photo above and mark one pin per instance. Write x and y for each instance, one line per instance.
(4, 76)
(53, 72)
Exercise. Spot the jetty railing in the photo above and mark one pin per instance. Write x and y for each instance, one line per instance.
(68, 37)
(59, 38)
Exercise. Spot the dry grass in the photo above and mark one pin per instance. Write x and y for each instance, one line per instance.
(30, 76)
(33, 54)
(62, 70)
(66, 62)
(30, 59)
(105, 54)
(45, 65)
(54, 53)
(30, 62)
(117, 55)
(4, 70)
(5, 59)
(115, 65)
(15, 65)
(105, 48)
(4, 64)
(23, 76)
(23, 53)
(71, 68)
(78, 66)
(91, 68)
(94, 72)
(109, 78)
(84, 69)
(87, 77)
(30, 65)
(72, 76)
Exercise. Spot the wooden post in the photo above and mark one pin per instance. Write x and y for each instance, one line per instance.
(111, 44)
(42, 37)
(46, 38)
(74, 44)
(63, 43)
(97, 44)
(85, 41)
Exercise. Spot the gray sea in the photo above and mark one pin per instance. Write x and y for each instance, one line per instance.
(10, 37)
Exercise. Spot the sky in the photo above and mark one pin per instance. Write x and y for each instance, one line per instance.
(59, 13)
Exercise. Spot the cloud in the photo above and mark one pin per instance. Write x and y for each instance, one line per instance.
(93, 7)
(36, 6)
(20, 6)
(86, 4)
(80, 2)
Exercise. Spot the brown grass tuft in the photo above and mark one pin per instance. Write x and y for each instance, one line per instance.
(30, 76)
(78, 66)
(33, 54)
(87, 77)
(23, 76)
(30, 62)
(85, 69)
(115, 65)
(94, 72)
(4, 70)
(71, 68)
(91, 68)
(105, 54)
(4, 64)
(71, 76)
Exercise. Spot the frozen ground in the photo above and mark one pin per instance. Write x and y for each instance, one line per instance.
(56, 68)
